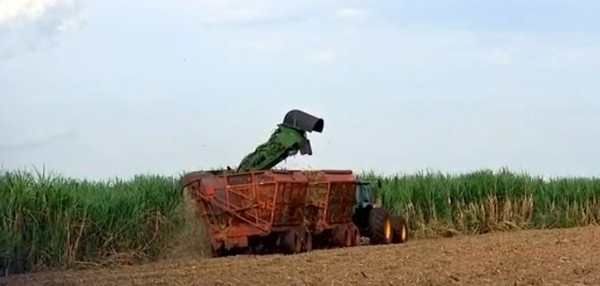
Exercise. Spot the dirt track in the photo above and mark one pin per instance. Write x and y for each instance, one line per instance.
(548, 257)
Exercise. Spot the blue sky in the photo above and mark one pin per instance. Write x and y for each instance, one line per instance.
(115, 88)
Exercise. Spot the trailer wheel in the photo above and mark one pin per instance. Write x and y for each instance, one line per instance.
(218, 251)
(400, 229)
(292, 241)
(380, 226)
(348, 238)
(342, 236)
(355, 234)
(307, 240)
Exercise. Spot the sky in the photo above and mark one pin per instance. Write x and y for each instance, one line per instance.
(99, 89)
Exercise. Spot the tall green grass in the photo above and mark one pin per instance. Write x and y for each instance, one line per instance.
(50, 220)
(483, 201)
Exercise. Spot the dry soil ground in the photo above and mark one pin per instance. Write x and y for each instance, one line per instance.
(547, 257)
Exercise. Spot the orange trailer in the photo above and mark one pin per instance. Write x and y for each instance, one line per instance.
(256, 211)
(331, 200)
(275, 211)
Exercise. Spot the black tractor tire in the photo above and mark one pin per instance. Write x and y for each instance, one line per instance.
(341, 236)
(380, 226)
(355, 234)
(399, 229)
(219, 252)
(307, 240)
(292, 241)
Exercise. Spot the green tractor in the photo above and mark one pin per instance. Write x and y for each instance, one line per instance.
(374, 221)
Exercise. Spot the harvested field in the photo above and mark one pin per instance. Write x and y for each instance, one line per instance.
(529, 257)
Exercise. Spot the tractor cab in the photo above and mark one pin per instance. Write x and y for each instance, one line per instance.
(365, 195)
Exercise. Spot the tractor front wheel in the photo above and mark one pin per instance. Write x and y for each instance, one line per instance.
(380, 226)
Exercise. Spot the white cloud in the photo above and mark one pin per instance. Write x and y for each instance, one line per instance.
(352, 13)
(262, 46)
(495, 57)
(234, 16)
(584, 55)
(40, 140)
(14, 9)
(229, 12)
(31, 24)
(323, 56)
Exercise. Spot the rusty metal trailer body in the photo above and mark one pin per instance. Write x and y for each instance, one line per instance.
(276, 211)
(255, 210)
(330, 205)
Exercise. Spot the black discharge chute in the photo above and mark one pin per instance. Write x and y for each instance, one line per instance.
(304, 121)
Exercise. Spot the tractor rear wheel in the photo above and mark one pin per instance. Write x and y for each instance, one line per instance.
(380, 226)
(400, 229)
